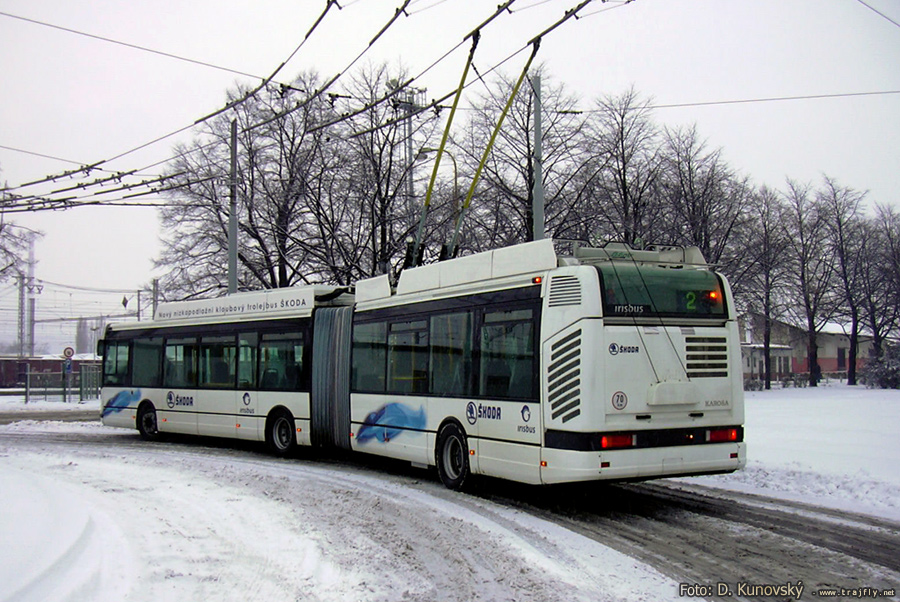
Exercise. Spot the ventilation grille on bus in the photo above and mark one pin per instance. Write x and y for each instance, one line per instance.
(564, 290)
(707, 357)
(564, 380)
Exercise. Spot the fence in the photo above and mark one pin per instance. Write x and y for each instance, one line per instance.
(66, 387)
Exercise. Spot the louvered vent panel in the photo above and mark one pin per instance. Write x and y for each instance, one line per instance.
(564, 378)
(564, 290)
(707, 357)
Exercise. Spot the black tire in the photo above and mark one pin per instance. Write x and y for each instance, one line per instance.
(280, 436)
(147, 425)
(451, 454)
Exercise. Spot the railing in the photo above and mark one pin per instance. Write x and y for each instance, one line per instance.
(66, 387)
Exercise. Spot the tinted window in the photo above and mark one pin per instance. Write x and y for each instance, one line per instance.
(247, 360)
(115, 364)
(408, 357)
(507, 355)
(281, 362)
(369, 357)
(641, 290)
(218, 359)
(181, 363)
(451, 354)
(147, 370)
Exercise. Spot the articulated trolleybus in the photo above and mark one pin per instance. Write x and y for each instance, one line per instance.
(614, 364)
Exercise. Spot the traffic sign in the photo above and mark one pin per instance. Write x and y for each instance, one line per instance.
(68, 352)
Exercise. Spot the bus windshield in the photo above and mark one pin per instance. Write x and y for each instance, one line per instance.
(645, 290)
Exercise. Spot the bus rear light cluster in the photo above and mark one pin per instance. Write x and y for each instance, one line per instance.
(722, 435)
(617, 441)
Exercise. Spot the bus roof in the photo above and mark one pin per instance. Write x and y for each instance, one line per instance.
(297, 301)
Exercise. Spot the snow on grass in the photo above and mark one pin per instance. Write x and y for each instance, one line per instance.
(53, 403)
(833, 445)
(203, 526)
(166, 526)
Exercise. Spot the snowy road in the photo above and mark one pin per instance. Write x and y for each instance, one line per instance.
(695, 534)
(195, 520)
(185, 521)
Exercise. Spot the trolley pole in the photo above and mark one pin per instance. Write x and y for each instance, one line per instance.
(537, 196)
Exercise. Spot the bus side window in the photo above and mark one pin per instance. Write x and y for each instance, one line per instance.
(369, 357)
(408, 357)
(507, 355)
(217, 362)
(115, 364)
(181, 363)
(247, 360)
(147, 369)
(281, 362)
(451, 354)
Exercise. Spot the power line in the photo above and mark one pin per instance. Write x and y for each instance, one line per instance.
(234, 104)
(34, 154)
(768, 99)
(67, 202)
(878, 12)
(129, 45)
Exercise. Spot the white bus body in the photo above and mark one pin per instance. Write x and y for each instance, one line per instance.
(515, 363)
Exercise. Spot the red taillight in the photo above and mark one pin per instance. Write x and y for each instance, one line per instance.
(616, 441)
(722, 435)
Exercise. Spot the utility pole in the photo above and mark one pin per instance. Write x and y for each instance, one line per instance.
(155, 296)
(232, 215)
(538, 190)
(22, 344)
(412, 102)
(31, 288)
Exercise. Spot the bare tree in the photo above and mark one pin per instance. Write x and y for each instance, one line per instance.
(812, 270)
(281, 164)
(879, 289)
(501, 211)
(843, 211)
(705, 200)
(378, 174)
(13, 246)
(763, 270)
(624, 167)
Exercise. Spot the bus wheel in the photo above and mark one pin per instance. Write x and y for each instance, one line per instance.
(146, 422)
(452, 456)
(280, 433)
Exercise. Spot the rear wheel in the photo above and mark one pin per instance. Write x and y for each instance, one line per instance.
(452, 457)
(280, 433)
(146, 422)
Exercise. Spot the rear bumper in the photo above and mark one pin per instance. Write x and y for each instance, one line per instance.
(564, 466)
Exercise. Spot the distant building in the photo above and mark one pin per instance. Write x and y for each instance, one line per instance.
(789, 349)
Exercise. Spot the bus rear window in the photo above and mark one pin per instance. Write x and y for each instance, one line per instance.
(640, 290)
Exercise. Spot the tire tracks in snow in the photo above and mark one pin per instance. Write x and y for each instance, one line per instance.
(697, 534)
(689, 533)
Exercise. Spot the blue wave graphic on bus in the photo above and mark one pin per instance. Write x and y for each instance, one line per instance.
(122, 401)
(388, 421)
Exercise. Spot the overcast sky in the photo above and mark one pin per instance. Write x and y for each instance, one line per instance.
(86, 100)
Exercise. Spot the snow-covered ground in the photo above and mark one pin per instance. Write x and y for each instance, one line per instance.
(833, 445)
(123, 521)
(16, 403)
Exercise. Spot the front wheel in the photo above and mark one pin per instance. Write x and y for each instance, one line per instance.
(280, 433)
(452, 457)
(146, 422)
